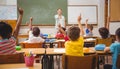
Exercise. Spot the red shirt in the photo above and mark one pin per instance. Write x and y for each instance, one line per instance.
(59, 36)
(7, 46)
(66, 38)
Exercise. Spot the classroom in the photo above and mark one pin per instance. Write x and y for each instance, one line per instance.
(59, 34)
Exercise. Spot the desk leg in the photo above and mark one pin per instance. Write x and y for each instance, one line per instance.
(45, 62)
(51, 63)
(51, 45)
(59, 62)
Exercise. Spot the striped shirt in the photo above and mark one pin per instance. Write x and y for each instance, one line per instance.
(7, 46)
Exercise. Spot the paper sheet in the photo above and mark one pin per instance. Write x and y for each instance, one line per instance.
(59, 50)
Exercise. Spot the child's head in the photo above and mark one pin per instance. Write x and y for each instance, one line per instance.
(59, 11)
(90, 27)
(104, 32)
(36, 31)
(117, 33)
(73, 33)
(5, 30)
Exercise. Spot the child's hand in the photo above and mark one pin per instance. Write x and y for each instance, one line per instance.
(27, 23)
(79, 18)
(31, 18)
(20, 11)
(59, 25)
(86, 20)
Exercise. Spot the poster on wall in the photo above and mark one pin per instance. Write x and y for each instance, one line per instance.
(8, 12)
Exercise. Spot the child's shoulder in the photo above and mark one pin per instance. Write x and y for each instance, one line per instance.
(115, 44)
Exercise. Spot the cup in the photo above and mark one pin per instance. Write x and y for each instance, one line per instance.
(29, 61)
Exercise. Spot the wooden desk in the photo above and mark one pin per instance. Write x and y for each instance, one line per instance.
(20, 66)
(39, 51)
(50, 51)
(23, 36)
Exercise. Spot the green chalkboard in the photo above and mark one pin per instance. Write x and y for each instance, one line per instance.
(42, 11)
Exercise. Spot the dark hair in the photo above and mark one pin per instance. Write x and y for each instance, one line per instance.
(36, 31)
(73, 33)
(104, 32)
(5, 30)
(90, 26)
(117, 33)
(59, 8)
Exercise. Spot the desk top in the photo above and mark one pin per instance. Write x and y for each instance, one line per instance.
(34, 50)
(20, 66)
(51, 51)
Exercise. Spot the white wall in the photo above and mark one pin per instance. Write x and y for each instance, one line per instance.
(50, 29)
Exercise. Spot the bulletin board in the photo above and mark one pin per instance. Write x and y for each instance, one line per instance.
(115, 10)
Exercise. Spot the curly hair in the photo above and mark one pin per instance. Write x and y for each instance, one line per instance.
(73, 33)
(36, 31)
(104, 32)
(5, 30)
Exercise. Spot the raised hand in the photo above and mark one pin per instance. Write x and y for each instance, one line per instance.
(20, 10)
(79, 18)
(31, 18)
(59, 25)
(86, 20)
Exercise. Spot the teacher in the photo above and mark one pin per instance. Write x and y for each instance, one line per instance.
(59, 19)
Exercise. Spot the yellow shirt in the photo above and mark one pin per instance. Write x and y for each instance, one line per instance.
(74, 48)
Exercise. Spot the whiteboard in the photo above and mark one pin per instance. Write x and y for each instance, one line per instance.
(87, 12)
(8, 12)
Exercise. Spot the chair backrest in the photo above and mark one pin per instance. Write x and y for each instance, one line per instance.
(12, 58)
(61, 45)
(107, 41)
(79, 62)
(32, 45)
(118, 62)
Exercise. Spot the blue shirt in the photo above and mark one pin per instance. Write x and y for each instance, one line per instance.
(88, 33)
(115, 49)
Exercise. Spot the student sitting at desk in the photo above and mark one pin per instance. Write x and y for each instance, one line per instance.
(34, 34)
(104, 31)
(74, 46)
(7, 39)
(63, 32)
(59, 34)
(115, 49)
(88, 29)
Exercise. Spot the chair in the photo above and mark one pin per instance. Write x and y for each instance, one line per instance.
(107, 41)
(32, 45)
(79, 62)
(61, 45)
(12, 58)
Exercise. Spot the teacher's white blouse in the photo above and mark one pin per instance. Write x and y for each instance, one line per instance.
(60, 21)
